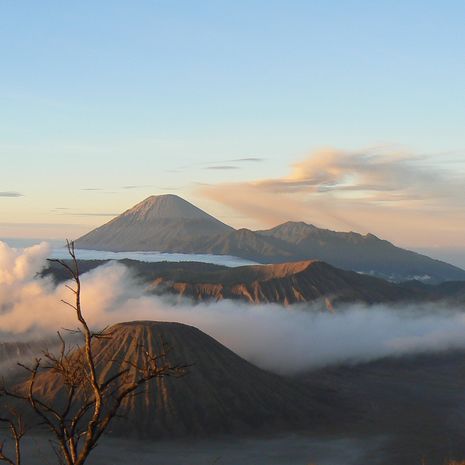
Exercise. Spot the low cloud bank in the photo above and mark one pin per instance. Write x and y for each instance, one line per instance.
(225, 260)
(283, 340)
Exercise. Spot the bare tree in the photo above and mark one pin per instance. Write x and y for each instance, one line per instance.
(15, 424)
(89, 403)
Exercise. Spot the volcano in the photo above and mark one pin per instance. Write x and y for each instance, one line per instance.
(164, 223)
(285, 283)
(168, 223)
(221, 393)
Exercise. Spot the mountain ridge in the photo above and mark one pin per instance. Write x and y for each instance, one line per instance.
(310, 281)
(168, 223)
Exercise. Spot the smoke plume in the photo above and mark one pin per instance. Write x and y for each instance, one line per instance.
(283, 340)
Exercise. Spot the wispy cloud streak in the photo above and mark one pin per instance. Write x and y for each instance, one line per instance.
(398, 195)
(10, 194)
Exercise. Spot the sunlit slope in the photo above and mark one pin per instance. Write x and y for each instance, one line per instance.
(159, 223)
(221, 392)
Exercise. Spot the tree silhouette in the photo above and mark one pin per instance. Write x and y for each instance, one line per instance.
(89, 400)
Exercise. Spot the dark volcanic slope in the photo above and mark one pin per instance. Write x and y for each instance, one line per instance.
(222, 393)
(286, 283)
(13, 352)
(247, 244)
(416, 401)
(167, 223)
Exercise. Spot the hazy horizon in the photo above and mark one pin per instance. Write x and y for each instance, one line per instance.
(454, 256)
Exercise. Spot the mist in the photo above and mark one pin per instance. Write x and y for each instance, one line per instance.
(85, 254)
(285, 340)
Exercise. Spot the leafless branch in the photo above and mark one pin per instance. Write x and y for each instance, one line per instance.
(16, 427)
(92, 399)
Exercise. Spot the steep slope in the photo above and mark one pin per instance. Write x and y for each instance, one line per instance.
(10, 351)
(452, 292)
(164, 223)
(364, 253)
(13, 352)
(222, 393)
(246, 243)
(285, 283)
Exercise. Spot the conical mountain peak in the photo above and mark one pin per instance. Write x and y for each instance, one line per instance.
(167, 206)
(165, 223)
(198, 403)
(168, 223)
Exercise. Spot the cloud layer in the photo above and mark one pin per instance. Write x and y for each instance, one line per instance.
(279, 339)
(399, 196)
(86, 254)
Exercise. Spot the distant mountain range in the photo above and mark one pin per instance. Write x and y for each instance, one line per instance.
(286, 283)
(168, 223)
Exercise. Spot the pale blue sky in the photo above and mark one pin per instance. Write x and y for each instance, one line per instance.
(154, 93)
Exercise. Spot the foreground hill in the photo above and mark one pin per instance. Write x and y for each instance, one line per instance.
(221, 393)
(167, 223)
(401, 410)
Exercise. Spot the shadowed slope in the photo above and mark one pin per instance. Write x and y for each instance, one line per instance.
(417, 401)
(13, 352)
(366, 253)
(284, 283)
(287, 283)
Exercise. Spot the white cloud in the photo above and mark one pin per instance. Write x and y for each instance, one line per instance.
(284, 340)
(402, 197)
